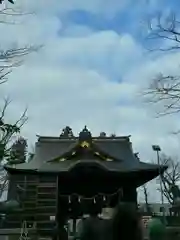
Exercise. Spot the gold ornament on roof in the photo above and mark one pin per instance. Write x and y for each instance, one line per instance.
(103, 157)
(97, 153)
(85, 144)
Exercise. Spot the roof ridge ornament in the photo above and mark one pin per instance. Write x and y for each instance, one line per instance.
(85, 138)
(102, 135)
(137, 155)
(67, 132)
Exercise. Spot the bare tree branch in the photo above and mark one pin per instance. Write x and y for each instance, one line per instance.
(12, 58)
(171, 176)
(9, 59)
(11, 12)
(7, 131)
(6, 103)
(164, 89)
(10, 54)
(146, 196)
(3, 75)
(165, 29)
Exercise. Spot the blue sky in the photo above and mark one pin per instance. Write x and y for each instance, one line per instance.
(127, 20)
(92, 67)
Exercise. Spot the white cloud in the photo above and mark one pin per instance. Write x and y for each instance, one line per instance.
(75, 30)
(70, 81)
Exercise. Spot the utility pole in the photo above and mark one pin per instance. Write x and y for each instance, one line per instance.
(157, 149)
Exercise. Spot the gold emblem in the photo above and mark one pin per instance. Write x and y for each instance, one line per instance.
(85, 144)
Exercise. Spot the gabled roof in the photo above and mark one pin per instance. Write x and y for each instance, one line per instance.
(63, 154)
(85, 150)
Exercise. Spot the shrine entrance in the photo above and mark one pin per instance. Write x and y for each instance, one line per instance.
(74, 208)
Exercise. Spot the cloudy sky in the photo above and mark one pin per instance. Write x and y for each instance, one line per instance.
(91, 70)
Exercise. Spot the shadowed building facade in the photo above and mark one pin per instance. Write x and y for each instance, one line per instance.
(69, 176)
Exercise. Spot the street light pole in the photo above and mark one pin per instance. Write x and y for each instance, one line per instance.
(157, 149)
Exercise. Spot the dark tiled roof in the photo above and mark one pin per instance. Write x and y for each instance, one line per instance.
(120, 149)
(48, 149)
(116, 148)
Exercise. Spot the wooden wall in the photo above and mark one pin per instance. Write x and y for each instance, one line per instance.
(38, 202)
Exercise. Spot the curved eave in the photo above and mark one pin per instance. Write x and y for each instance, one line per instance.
(148, 175)
(12, 170)
(142, 170)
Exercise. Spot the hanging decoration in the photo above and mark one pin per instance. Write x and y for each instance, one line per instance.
(24, 231)
(105, 197)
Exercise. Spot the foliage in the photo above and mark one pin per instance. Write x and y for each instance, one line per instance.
(10, 151)
(18, 151)
(8, 132)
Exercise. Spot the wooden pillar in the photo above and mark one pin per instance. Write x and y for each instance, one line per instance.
(129, 194)
(61, 213)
